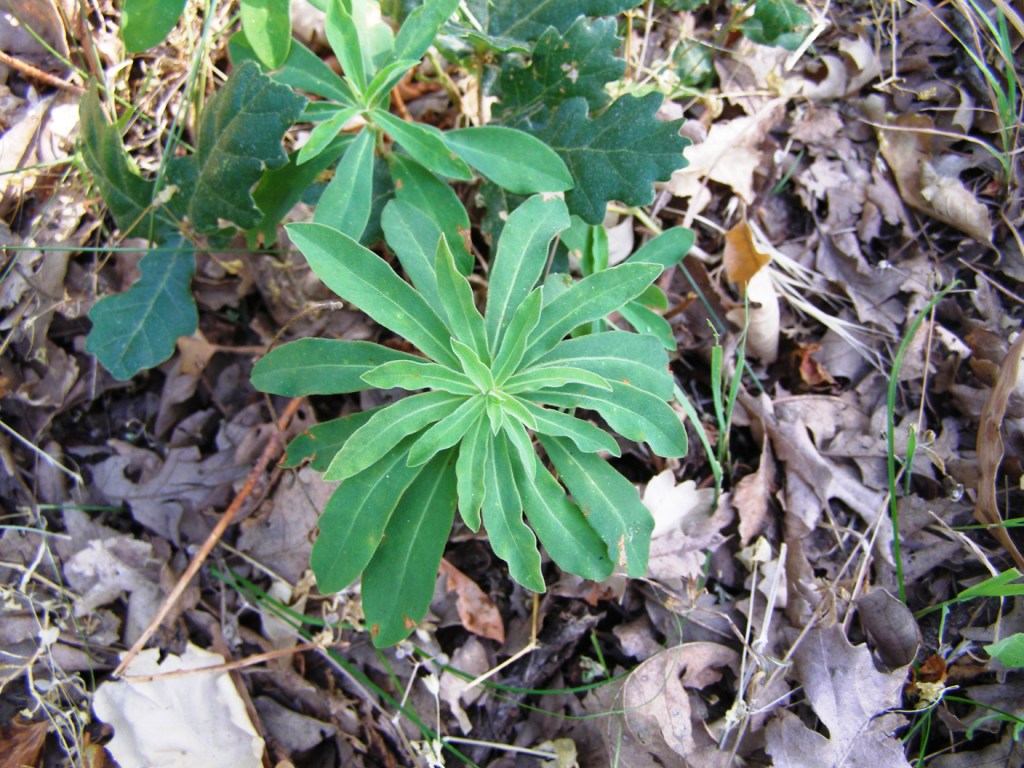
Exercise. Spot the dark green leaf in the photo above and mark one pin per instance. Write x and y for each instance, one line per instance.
(413, 236)
(424, 143)
(591, 298)
(398, 582)
(521, 256)
(529, 19)
(365, 279)
(320, 443)
(617, 155)
(470, 471)
(778, 22)
(387, 428)
(268, 28)
(280, 189)
(563, 66)
(354, 520)
(240, 132)
(128, 196)
(630, 411)
(511, 539)
(321, 367)
(617, 356)
(145, 23)
(346, 202)
(421, 28)
(511, 158)
(138, 329)
(609, 501)
(560, 525)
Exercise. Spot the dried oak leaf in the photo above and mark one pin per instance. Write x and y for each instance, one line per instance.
(850, 697)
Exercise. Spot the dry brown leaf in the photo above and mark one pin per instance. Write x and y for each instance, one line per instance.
(990, 449)
(850, 697)
(890, 626)
(477, 611)
(21, 743)
(907, 148)
(752, 497)
(741, 257)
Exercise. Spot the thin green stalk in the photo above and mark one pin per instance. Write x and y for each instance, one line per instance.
(890, 414)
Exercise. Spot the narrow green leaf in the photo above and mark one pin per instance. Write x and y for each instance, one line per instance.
(511, 539)
(591, 298)
(512, 406)
(552, 377)
(413, 236)
(609, 501)
(456, 299)
(240, 132)
(618, 356)
(145, 23)
(366, 280)
(324, 133)
(320, 443)
(280, 189)
(128, 196)
(379, 89)
(423, 142)
(470, 471)
(647, 321)
(387, 429)
(667, 249)
(398, 582)
(321, 366)
(653, 297)
(448, 431)
(139, 328)
(346, 202)
(354, 519)
(495, 414)
(513, 343)
(421, 27)
(511, 159)
(630, 411)
(268, 28)
(474, 367)
(585, 435)
(520, 441)
(343, 36)
(417, 186)
(560, 525)
(406, 374)
(303, 70)
(520, 260)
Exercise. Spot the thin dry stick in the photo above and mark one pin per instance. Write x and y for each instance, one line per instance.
(228, 666)
(269, 453)
(33, 73)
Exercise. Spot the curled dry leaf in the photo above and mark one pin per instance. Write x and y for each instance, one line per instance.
(749, 267)
(752, 497)
(477, 611)
(990, 449)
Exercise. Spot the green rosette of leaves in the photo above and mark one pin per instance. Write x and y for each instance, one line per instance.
(490, 390)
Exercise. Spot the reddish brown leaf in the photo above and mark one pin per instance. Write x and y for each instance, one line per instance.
(21, 744)
(477, 611)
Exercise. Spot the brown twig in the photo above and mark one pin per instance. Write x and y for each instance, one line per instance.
(269, 453)
(34, 73)
(228, 666)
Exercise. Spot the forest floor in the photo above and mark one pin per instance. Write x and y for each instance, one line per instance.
(850, 184)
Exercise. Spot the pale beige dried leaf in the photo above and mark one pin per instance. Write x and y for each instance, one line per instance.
(477, 611)
(954, 204)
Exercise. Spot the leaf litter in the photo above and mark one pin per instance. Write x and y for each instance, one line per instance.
(853, 178)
